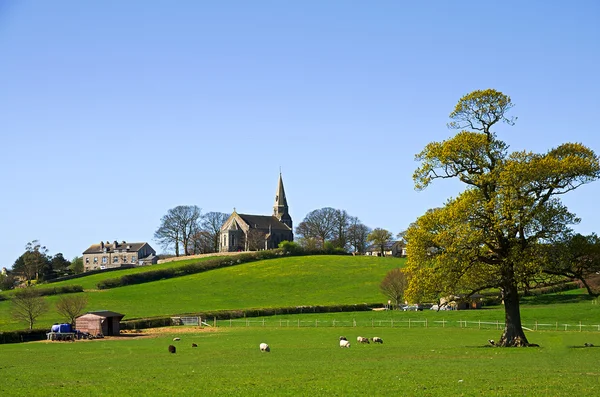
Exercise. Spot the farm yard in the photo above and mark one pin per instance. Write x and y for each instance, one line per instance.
(305, 361)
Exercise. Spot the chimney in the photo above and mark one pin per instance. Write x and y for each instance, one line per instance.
(116, 244)
(101, 244)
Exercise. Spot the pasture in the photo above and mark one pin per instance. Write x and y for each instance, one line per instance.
(305, 361)
(290, 281)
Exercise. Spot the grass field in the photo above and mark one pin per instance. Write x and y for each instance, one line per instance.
(306, 361)
(292, 281)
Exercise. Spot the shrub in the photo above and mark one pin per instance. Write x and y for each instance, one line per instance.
(28, 335)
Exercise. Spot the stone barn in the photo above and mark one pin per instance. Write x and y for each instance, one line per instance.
(101, 322)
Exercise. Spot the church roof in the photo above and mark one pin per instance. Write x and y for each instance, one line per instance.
(263, 222)
(280, 200)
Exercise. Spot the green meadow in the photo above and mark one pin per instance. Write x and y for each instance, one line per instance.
(306, 361)
(424, 353)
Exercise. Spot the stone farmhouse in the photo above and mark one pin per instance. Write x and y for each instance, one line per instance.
(244, 232)
(110, 255)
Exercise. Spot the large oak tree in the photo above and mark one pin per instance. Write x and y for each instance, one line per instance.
(490, 235)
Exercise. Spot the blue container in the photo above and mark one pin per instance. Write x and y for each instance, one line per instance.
(55, 328)
(63, 328)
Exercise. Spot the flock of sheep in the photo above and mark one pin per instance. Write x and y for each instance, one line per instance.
(360, 339)
(265, 347)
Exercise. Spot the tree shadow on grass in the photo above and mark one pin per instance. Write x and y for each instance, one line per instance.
(554, 298)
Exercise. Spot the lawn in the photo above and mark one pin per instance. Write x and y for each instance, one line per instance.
(306, 361)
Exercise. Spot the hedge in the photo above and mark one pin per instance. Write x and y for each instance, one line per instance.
(28, 335)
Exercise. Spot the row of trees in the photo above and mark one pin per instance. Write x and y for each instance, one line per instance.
(185, 230)
(339, 230)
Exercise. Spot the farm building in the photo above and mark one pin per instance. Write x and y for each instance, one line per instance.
(101, 322)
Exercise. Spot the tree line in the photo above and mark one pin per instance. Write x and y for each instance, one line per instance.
(185, 230)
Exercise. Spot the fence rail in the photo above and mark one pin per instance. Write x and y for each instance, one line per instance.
(410, 323)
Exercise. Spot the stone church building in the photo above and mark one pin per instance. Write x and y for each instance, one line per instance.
(243, 232)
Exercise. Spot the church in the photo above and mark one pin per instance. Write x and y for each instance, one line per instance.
(243, 232)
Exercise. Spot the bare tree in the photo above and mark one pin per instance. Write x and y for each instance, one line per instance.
(393, 286)
(71, 306)
(177, 227)
(201, 242)
(357, 235)
(28, 305)
(341, 222)
(380, 238)
(211, 224)
(255, 240)
(318, 224)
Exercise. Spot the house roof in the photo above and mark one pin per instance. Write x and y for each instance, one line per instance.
(263, 222)
(110, 247)
(387, 246)
(106, 313)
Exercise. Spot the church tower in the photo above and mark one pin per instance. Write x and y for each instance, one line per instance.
(280, 209)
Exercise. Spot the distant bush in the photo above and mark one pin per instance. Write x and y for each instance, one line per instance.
(28, 335)
(291, 248)
(88, 273)
(67, 289)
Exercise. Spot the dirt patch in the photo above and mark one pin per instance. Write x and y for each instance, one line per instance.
(177, 330)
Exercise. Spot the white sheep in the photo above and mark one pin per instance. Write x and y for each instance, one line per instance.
(176, 339)
(344, 343)
(264, 347)
(360, 339)
(377, 339)
(343, 338)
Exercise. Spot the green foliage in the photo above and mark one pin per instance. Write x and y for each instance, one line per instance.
(28, 335)
(76, 266)
(290, 248)
(491, 235)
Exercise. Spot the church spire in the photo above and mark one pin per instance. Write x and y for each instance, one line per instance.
(280, 209)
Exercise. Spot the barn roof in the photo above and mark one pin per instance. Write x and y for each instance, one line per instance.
(106, 313)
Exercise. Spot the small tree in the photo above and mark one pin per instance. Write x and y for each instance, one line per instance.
(76, 265)
(28, 305)
(71, 306)
(393, 286)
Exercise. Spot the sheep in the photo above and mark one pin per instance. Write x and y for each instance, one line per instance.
(172, 349)
(194, 345)
(491, 341)
(588, 344)
(176, 339)
(264, 347)
(377, 339)
(343, 338)
(360, 339)
(344, 343)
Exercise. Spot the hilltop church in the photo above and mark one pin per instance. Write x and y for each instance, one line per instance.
(243, 232)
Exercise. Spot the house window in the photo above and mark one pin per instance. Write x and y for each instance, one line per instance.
(104, 259)
(115, 259)
(87, 260)
(95, 259)
(124, 259)
(133, 258)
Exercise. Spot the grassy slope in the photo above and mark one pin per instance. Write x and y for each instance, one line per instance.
(293, 281)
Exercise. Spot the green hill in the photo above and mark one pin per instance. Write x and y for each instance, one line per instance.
(290, 281)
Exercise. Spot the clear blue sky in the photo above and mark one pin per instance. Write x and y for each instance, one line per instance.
(113, 112)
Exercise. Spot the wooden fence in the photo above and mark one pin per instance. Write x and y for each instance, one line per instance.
(410, 323)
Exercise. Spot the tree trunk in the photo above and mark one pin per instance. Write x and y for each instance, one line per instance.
(588, 288)
(513, 334)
